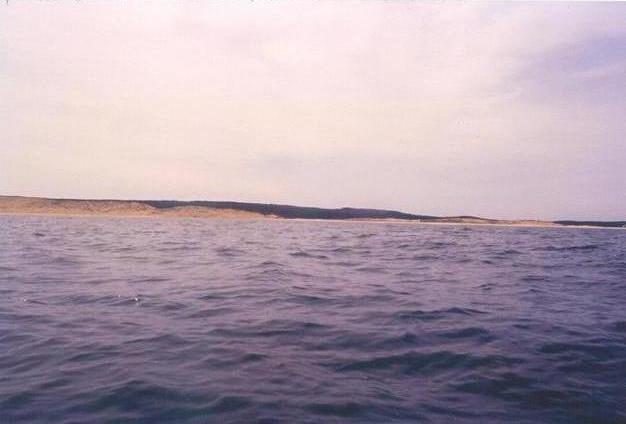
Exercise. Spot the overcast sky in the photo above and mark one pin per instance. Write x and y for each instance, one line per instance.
(492, 109)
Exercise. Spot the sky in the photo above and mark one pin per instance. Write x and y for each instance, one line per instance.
(504, 110)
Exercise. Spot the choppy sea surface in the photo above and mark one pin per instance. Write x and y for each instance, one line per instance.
(216, 321)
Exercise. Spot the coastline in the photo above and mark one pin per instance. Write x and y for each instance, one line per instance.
(264, 217)
(38, 206)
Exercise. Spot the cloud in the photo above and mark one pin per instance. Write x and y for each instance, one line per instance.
(491, 108)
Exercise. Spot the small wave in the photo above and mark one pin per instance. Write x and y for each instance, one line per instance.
(570, 248)
(7, 268)
(266, 264)
(308, 299)
(21, 399)
(167, 339)
(252, 357)
(438, 244)
(64, 260)
(124, 249)
(619, 326)
(424, 257)
(268, 271)
(150, 280)
(181, 248)
(302, 254)
(437, 314)
(408, 339)
(426, 363)
(372, 270)
(297, 325)
(339, 409)
(598, 351)
(229, 251)
(271, 328)
(533, 278)
(34, 301)
(268, 275)
(228, 404)
(463, 260)
(92, 354)
(507, 385)
(509, 252)
(344, 263)
(469, 332)
(130, 395)
(210, 312)
(212, 296)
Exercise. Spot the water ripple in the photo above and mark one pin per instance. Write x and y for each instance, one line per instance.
(192, 321)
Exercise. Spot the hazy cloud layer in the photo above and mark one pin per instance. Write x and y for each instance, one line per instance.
(503, 110)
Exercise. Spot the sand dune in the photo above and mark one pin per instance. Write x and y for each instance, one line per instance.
(36, 205)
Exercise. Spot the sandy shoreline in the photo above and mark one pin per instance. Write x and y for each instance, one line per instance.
(256, 217)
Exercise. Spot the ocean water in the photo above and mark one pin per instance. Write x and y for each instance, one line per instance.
(215, 321)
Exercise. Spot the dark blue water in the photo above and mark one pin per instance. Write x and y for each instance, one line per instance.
(196, 320)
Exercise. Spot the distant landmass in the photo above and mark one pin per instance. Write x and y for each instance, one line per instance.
(242, 210)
